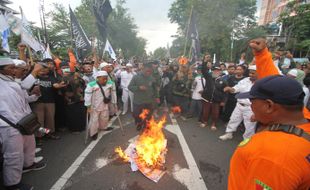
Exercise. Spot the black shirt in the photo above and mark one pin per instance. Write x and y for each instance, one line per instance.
(47, 89)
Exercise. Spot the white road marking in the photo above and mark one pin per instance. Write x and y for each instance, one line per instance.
(190, 177)
(61, 182)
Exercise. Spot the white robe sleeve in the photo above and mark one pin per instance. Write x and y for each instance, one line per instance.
(28, 82)
(88, 95)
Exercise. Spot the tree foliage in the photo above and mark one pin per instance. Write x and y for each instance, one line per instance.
(219, 22)
(122, 32)
(296, 26)
(160, 53)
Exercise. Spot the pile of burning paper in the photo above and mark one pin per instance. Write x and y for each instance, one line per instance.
(148, 151)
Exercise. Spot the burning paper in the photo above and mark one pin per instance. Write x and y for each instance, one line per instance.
(147, 153)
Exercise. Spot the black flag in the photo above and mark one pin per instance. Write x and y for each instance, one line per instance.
(102, 9)
(193, 35)
(79, 36)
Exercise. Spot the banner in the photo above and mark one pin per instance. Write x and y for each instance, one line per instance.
(109, 49)
(194, 37)
(102, 9)
(79, 36)
(27, 36)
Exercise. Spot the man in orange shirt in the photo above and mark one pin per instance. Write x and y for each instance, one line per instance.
(277, 158)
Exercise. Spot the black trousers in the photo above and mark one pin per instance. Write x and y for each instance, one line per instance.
(76, 116)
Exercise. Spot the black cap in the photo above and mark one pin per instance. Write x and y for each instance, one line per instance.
(280, 89)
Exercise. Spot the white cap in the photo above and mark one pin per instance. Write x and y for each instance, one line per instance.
(6, 61)
(101, 74)
(128, 65)
(19, 63)
(252, 67)
(103, 64)
(293, 72)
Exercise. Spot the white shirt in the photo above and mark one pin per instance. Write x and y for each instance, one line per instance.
(13, 103)
(244, 85)
(126, 77)
(197, 87)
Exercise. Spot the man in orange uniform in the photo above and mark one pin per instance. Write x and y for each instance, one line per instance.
(277, 158)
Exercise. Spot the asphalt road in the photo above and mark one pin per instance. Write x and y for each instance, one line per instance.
(196, 160)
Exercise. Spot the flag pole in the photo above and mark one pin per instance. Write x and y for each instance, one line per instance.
(186, 37)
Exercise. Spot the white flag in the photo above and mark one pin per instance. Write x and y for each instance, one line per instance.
(47, 53)
(27, 37)
(15, 23)
(3, 23)
(5, 40)
(109, 49)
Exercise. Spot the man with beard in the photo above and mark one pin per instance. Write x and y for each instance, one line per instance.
(146, 95)
(242, 111)
(14, 106)
(87, 69)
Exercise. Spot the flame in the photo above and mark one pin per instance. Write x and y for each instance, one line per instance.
(176, 109)
(150, 146)
(121, 154)
(144, 114)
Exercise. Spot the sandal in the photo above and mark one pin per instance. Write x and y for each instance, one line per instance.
(213, 128)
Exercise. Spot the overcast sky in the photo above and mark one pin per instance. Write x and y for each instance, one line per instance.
(150, 16)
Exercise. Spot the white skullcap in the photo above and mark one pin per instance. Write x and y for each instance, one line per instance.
(128, 65)
(101, 74)
(293, 72)
(252, 67)
(19, 63)
(6, 61)
(103, 64)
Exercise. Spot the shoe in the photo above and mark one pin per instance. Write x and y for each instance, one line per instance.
(38, 159)
(35, 167)
(38, 150)
(20, 186)
(109, 129)
(94, 137)
(124, 113)
(52, 136)
(226, 136)
(202, 125)
(213, 128)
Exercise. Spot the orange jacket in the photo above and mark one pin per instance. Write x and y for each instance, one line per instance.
(264, 64)
(271, 160)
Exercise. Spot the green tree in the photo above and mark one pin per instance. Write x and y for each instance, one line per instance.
(217, 22)
(160, 53)
(59, 30)
(296, 27)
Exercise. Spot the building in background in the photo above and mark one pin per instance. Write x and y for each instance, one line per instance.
(271, 9)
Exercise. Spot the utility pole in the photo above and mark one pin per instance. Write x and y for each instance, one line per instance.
(43, 21)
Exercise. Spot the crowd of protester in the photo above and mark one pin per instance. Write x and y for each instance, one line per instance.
(62, 92)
